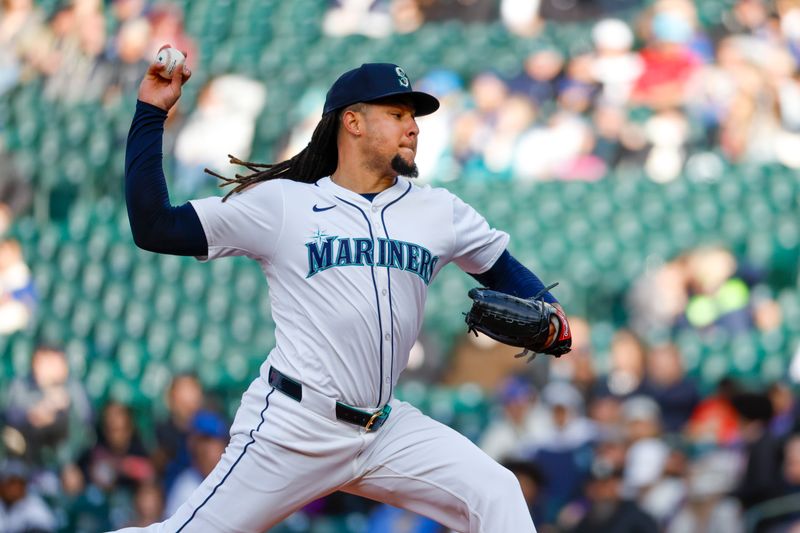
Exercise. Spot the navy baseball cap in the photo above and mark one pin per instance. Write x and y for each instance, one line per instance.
(373, 81)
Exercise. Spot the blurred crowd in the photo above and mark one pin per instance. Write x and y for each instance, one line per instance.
(84, 50)
(638, 447)
(657, 90)
(630, 445)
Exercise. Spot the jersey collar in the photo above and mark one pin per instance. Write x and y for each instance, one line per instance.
(384, 197)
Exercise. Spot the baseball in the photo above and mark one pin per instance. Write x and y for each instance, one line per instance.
(173, 60)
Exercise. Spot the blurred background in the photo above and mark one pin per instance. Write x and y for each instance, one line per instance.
(644, 154)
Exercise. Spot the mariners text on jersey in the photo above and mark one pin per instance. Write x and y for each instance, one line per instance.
(325, 251)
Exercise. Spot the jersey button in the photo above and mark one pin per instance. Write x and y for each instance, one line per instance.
(374, 208)
(384, 292)
(387, 337)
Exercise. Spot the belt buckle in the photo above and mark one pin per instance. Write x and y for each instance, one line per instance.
(372, 419)
(383, 414)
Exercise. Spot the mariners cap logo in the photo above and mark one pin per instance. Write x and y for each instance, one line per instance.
(401, 77)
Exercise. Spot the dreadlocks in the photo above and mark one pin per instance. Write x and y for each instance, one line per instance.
(315, 161)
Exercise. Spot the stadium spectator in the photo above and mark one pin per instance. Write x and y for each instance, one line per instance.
(781, 513)
(665, 382)
(521, 17)
(668, 60)
(148, 504)
(647, 477)
(627, 366)
(78, 42)
(223, 123)
(714, 421)
(718, 296)
(184, 399)
(130, 61)
(16, 190)
(532, 481)
(208, 438)
(579, 368)
(21, 22)
(125, 11)
(50, 409)
(790, 468)
(762, 450)
(522, 419)
(540, 77)
(371, 18)
(119, 460)
(21, 509)
(784, 407)
(17, 291)
(607, 510)
(562, 449)
(434, 156)
(614, 65)
(708, 507)
(166, 21)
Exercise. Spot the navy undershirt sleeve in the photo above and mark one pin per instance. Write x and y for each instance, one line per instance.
(156, 225)
(511, 277)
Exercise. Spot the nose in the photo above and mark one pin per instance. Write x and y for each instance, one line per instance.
(413, 129)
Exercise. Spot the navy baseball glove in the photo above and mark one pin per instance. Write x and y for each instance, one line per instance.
(519, 322)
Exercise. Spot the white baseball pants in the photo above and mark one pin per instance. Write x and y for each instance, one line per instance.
(284, 454)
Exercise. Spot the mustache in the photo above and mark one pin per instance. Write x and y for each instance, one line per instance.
(404, 168)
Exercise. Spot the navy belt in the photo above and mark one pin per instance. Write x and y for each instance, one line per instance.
(293, 389)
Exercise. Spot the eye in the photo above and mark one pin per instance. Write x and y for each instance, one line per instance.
(396, 115)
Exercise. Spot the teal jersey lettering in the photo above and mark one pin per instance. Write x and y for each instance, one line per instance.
(326, 252)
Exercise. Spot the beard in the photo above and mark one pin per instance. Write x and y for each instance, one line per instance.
(404, 168)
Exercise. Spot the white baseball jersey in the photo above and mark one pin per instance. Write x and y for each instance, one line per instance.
(348, 280)
(348, 277)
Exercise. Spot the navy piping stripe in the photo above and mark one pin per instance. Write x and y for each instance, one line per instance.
(252, 440)
(377, 300)
(389, 276)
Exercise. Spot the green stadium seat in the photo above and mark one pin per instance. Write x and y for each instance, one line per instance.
(77, 352)
(189, 322)
(43, 278)
(115, 298)
(83, 317)
(158, 340)
(155, 379)
(98, 379)
(144, 280)
(166, 303)
(194, 283)
(62, 300)
(242, 325)
(236, 367)
(182, 357)
(130, 359)
(136, 319)
(773, 368)
(70, 261)
(744, 354)
(107, 333)
(120, 261)
(218, 303)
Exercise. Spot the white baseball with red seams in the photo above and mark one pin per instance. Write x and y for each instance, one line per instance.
(348, 280)
(173, 61)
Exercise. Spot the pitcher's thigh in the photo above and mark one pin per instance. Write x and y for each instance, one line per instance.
(426, 467)
(264, 475)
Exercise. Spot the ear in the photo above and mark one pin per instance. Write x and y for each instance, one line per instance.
(352, 122)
